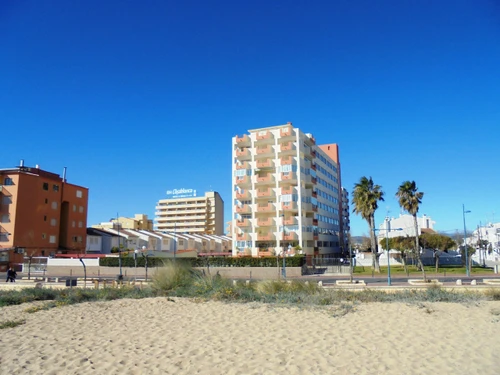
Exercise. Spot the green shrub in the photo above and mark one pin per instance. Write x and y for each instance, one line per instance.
(16, 297)
(493, 294)
(296, 261)
(171, 276)
(11, 323)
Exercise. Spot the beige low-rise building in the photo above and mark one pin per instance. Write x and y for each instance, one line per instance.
(138, 222)
(195, 215)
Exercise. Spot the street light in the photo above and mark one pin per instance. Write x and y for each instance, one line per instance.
(467, 271)
(136, 252)
(387, 230)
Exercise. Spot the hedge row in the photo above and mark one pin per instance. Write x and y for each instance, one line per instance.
(296, 261)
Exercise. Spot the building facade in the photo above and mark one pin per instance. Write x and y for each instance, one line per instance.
(404, 225)
(138, 222)
(41, 214)
(201, 215)
(286, 194)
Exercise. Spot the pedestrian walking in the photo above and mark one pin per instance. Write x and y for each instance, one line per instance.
(11, 275)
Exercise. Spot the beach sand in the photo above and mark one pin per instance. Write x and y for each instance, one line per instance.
(181, 336)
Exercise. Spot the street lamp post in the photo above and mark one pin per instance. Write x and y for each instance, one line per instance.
(387, 230)
(136, 252)
(467, 271)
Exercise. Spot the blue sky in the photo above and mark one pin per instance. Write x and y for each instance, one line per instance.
(139, 97)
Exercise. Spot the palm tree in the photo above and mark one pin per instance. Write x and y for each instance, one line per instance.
(409, 200)
(365, 198)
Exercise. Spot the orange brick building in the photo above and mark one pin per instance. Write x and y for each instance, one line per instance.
(40, 214)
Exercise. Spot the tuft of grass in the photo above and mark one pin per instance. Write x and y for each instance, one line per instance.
(12, 323)
(172, 276)
(493, 294)
(17, 297)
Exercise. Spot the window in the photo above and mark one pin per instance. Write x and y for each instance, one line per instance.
(8, 181)
(4, 237)
(181, 242)
(44, 217)
(73, 224)
(74, 238)
(44, 236)
(55, 187)
(5, 218)
(46, 201)
(46, 186)
(80, 224)
(54, 205)
(53, 222)
(52, 239)
(79, 194)
(6, 200)
(79, 239)
(80, 209)
(74, 208)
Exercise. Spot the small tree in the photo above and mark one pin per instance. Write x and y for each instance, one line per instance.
(438, 243)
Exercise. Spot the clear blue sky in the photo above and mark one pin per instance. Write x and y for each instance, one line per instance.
(137, 97)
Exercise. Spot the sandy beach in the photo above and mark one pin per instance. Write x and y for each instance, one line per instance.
(181, 336)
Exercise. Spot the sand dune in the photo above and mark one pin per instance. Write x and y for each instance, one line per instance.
(158, 336)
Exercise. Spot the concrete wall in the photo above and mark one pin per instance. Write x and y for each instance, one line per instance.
(131, 272)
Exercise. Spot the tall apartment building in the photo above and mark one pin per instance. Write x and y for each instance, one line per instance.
(286, 193)
(202, 215)
(40, 214)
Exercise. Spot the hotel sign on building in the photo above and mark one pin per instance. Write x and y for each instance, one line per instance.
(181, 193)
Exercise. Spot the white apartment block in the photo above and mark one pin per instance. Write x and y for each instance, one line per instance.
(286, 193)
(403, 226)
(490, 232)
(201, 215)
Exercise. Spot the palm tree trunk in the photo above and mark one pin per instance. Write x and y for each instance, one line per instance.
(403, 260)
(417, 248)
(375, 254)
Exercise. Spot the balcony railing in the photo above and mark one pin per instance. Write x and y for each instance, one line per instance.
(265, 179)
(263, 193)
(264, 136)
(290, 236)
(287, 190)
(264, 150)
(244, 209)
(287, 132)
(244, 180)
(286, 160)
(243, 139)
(265, 163)
(288, 146)
(243, 152)
(243, 237)
(243, 223)
(289, 177)
(244, 195)
(261, 207)
(291, 220)
(266, 237)
(244, 165)
(265, 222)
(289, 205)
